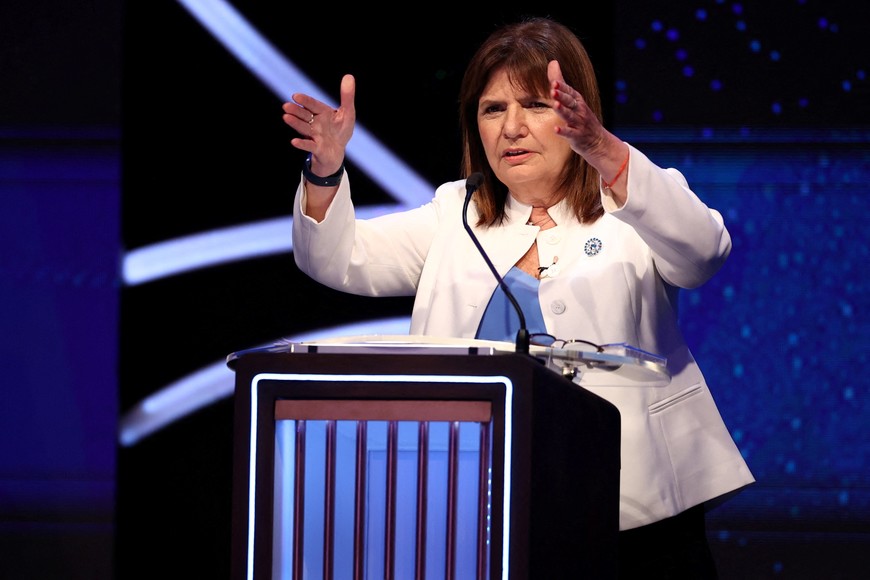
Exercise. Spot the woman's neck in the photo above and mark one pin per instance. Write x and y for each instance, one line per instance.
(538, 201)
(540, 218)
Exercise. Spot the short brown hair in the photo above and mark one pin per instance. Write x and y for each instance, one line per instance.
(524, 49)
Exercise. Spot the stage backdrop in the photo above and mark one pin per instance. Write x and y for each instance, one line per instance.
(762, 106)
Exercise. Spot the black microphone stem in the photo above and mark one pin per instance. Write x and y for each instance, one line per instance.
(523, 338)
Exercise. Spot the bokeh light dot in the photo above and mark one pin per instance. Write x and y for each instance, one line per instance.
(846, 309)
(777, 567)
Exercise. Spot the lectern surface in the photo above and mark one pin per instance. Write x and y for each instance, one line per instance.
(541, 451)
(618, 364)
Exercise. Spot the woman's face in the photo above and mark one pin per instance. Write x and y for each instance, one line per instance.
(518, 134)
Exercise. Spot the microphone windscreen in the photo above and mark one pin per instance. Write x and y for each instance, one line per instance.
(474, 180)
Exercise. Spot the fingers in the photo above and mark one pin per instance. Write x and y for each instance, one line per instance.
(562, 93)
(302, 112)
(304, 109)
(311, 105)
(301, 120)
(554, 72)
(297, 116)
(567, 100)
(582, 128)
(347, 94)
(323, 130)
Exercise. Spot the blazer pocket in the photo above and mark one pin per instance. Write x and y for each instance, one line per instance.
(675, 399)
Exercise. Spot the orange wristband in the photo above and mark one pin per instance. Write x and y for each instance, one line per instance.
(618, 173)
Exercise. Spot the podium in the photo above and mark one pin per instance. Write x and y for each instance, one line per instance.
(419, 460)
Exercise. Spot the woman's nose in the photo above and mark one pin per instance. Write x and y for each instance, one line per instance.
(515, 123)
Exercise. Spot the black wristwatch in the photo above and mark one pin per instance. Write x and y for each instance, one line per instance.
(328, 181)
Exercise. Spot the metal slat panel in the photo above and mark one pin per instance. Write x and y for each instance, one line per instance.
(452, 476)
(390, 527)
(359, 516)
(398, 452)
(422, 498)
(299, 502)
(329, 502)
(483, 507)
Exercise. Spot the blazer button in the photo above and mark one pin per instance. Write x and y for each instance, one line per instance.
(557, 307)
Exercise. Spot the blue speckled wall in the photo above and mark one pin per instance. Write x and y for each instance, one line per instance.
(763, 106)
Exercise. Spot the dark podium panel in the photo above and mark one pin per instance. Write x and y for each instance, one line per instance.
(396, 465)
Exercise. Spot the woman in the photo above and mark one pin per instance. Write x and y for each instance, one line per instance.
(595, 238)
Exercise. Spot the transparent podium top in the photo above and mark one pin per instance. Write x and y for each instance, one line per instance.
(609, 364)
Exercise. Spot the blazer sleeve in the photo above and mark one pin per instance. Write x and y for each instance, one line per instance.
(688, 240)
(379, 256)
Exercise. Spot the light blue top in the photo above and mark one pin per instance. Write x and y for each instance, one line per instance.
(500, 320)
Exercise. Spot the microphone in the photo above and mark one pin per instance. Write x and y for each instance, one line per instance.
(471, 184)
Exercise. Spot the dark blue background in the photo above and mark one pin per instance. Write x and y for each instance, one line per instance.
(123, 126)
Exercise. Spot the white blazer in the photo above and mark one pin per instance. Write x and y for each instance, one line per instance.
(617, 281)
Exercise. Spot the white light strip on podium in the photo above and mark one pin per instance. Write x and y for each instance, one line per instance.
(508, 427)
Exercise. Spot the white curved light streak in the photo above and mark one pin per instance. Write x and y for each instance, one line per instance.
(216, 381)
(172, 257)
(270, 66)
(210, 248)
